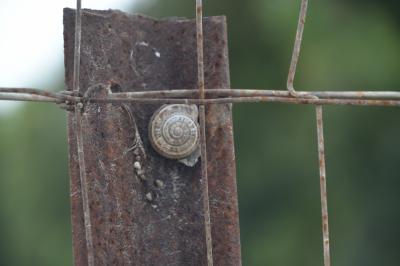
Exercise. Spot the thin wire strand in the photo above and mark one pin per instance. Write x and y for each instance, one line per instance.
(79, 136)
(255, 99)
(77, 45)
(215, 93)
(200, 49)
(203, 140)
(323, 187)
(26, 98)
(45, 93)
(297, 47)
(375, 98)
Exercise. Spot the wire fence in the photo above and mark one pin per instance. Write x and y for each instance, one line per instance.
(202, 96)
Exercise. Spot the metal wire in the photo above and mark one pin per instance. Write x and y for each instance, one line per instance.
(203, 140)
(297, 47)
(26, 98)
(214, 93)
(217, 96)
(320, 127)
(255, 99)
(79, 136)
(323, 189)
(58, 97)
(223, 96)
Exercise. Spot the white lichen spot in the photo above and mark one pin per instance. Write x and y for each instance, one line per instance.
(159, 183)
(137, 165)
(149, 196)
(143, 44)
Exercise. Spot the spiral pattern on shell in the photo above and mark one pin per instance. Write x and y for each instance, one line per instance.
(174, 131)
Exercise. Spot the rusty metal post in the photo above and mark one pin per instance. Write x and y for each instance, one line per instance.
(145, 209)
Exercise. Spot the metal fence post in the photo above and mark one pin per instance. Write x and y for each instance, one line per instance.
(145, 209)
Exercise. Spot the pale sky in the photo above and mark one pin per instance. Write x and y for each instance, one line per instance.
(31, 43)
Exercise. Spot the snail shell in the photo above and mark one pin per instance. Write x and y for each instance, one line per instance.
(174, 131)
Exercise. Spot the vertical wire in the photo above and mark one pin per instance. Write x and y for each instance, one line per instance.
(200, 49)
(202, 116)
(297, 47)
(324, 196)
(79, 135)
(77, 45)
(320, 130)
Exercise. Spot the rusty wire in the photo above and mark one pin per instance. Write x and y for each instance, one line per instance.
(79, 135)
(26, 98)
(323, 187)
(222, 96)
(320, 130)
(56, 97)
(297, 47)
(215, 93)
(203, 140)
(287, 100)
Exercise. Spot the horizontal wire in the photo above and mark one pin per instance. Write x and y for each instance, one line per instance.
(44, 93)
(361, 95)
(27, 98)
(254, 99)
(216, 96)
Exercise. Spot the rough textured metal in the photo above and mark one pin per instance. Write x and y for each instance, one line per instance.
(174, 130)
(146, 209)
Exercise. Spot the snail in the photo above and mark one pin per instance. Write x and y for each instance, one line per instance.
(174, 131)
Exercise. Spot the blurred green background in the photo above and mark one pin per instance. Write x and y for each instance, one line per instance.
(350, 44)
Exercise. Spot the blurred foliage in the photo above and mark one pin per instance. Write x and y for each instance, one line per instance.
(350, 44)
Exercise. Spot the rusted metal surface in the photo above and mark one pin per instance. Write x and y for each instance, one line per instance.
(323, 188)
(146, 209)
